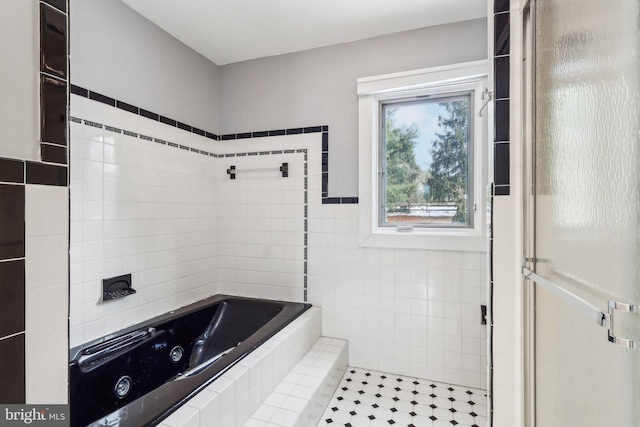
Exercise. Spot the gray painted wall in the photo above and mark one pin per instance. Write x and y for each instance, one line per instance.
(19, 73)
(318, 86)
(117, 52)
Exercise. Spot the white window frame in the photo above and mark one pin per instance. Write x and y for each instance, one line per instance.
(440, 80)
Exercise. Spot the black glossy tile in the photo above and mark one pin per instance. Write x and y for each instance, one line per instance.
(325, 182)
(12, 370)
(243, 135)
(325, 142)
(80, 91)
(11, 221)
(349, 200)
(53, 154)
(500, 6)
(501, 164)
(184, 126)
(11, 170)
(149, 114)
(53, 41)
(313, 129)
(501, 120)
(167, 121)
(277, 132)
(198, 131)
(501, 34)
(212, 136)
(294, 131)
(501, 190)
(260, 134)
(11, 297)
(43, 174)
(331, 200)
(228, 137)
(325, 128)
(53, 110)
(127, 107)
(325, 162)
(59, 4)
(501, 66)
(102, 98)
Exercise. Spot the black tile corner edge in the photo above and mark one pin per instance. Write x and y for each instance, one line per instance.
(501, 6)
(53, 110)
(95, 96)
(501, 76)
(127, 107)
(501, 190)
(53, 42)
(12, 237)
(58, 4)
(501, 34)
(12, 170)
(53, 154)
(45, 174)
(325, 128)
(80, 91)
(12, 370)
(501, 118)
(325, 142)
(331, 200)
(501, 163)
(12, 297)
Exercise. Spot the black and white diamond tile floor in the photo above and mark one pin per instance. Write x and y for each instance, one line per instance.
(375, 399)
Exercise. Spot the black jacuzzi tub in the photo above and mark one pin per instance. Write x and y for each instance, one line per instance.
(140, 375)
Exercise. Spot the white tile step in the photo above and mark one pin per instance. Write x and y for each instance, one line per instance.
(302, 396)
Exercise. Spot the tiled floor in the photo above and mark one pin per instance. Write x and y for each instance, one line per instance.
(375, 399)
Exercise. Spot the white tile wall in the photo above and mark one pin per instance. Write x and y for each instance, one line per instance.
(410, 312)
(46, 276)
(137, 207)
(185, 229)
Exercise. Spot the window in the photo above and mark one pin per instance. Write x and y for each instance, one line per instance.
(427, 163)
(422, 159)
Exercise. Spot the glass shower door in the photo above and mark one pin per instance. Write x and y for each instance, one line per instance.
(586, 213)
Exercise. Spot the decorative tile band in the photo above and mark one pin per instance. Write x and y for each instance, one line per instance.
(85, 93)
(501, 146)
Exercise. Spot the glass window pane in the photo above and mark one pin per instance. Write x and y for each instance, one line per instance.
(426, 159)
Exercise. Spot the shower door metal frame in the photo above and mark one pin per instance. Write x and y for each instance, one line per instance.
(528, 85)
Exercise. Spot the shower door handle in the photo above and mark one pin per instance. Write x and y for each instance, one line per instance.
(604, 319)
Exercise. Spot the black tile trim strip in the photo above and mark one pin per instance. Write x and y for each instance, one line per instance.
(501, 102)
(324, 129)
(95, 96)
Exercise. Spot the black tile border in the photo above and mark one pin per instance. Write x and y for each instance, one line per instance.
(501, 102)
(324, 129)
(46, 174)
(11, 171)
